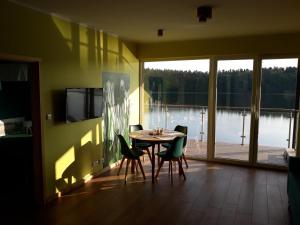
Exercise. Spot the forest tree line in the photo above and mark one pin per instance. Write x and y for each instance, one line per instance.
(234, 87)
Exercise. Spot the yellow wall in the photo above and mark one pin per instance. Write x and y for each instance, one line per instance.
(71, 56)
(263, 44)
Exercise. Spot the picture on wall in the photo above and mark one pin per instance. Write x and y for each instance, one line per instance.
(116, 88)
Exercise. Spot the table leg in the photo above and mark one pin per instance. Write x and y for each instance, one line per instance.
(133, 161)
(158, 151)
(153, 163)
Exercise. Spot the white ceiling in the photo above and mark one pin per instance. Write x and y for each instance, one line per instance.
(138, 20)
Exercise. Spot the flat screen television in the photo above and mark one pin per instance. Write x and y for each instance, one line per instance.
(83, 103)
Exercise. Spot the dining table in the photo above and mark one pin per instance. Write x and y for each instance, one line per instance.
(155, 139)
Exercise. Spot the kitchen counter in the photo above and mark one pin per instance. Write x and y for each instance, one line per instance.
(16, 136)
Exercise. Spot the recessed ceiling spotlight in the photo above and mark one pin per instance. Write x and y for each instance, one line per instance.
(160, 32)
(204, 13)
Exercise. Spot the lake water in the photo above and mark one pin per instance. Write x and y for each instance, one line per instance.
(273, 127)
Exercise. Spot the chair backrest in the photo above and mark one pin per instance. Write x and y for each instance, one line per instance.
(182, 129)
(135, 127)
(176, 149)
(125, 150)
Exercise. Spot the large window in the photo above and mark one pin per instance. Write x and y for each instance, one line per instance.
(176, 93)
(252, 113)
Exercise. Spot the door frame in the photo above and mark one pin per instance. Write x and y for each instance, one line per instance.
(213, 108)
(258, 69)
(38, 170)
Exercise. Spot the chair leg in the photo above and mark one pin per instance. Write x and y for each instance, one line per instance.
(149, 154)
(183, 156)
(175, 167)
(160, 166)
(127, 165)
(169, 168)
(181, 169)
(136, 166)
(171, 171)
(140, 164)
(120, 167)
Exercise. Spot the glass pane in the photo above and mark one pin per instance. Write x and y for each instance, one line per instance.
(176, 93)
(234, 91)
(276, 121)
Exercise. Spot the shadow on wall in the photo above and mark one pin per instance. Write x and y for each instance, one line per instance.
(79, 170)
(79, 163)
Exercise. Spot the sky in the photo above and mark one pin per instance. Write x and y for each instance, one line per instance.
(192, 65)
(203, 64)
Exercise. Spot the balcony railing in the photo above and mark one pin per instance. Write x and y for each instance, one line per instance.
(164, 111)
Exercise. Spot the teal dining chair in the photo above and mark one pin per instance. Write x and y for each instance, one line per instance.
(182, 129)
(131, 156)
(173, 153)
(142, 145)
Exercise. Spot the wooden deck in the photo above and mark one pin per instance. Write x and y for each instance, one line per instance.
(267, 155)
(213, 194)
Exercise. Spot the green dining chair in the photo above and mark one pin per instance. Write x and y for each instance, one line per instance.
(182, 129)
(130, 155)
(173, 153)
(143, 145)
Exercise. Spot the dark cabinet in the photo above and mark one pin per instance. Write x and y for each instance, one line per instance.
(16, 168)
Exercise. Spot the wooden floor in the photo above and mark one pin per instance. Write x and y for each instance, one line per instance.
(212, 194)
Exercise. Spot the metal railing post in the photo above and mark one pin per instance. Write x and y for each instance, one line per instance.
(290, 127)
(202, 124)
(243, 136)
(166, 116)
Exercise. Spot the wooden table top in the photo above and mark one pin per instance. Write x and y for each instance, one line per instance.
(147, 135)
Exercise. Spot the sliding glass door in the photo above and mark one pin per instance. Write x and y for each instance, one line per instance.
(234, 91)
(277, 110)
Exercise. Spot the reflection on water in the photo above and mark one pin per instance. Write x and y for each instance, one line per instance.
(273, 126)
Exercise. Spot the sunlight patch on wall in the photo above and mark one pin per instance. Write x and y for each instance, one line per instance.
(112, 44)
(86, 138)
(64, 162)
(87, 178)
(97, 134)
(102, 133)
(65, 29)
(83, 35)
(101, 40)
(127, 54)
(113, 62)
(84, 47)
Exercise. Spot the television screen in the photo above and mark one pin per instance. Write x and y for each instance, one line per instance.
(83, 103)
(96, 102)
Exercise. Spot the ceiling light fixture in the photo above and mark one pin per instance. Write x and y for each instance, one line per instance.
(204, 13)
